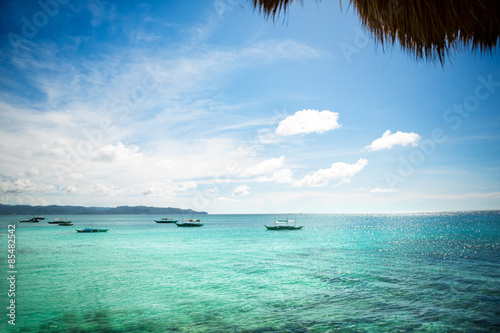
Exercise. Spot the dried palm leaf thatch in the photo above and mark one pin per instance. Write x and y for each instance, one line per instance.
(427, 29)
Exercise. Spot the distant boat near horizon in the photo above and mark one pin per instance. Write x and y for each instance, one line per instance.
(189, 223)
(35, 219)
(167, 220)
(91, 230)
(65, 223)
(58, 221)
(284, 225)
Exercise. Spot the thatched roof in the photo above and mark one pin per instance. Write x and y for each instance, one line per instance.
(427, 29)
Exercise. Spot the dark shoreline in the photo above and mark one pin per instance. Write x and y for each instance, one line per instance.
(80, 210)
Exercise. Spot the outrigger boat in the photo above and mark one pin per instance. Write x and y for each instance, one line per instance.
(189, 223)
(35, 219)
(65, 223)
(166, 220)
(91, 229)
(31, 220)
(284, 225)
(59, 221)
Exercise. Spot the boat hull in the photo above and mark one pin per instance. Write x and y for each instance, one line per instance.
(58, 221)
(33, 220)
(189, 224)
(283, 227)
(168, 221)
(90, 230)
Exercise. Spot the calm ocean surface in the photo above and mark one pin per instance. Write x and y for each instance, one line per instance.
(436, 272)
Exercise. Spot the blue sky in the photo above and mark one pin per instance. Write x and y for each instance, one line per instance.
(213, 107)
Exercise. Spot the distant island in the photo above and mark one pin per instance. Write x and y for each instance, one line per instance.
(80, 210)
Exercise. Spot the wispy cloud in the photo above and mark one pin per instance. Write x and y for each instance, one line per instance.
(382, 190)
(225, 200)
(93, 108)
(488, 195)
(265, 167)
(283, 176)
(341, 171)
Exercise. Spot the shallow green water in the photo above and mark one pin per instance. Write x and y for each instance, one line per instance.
(341, 273)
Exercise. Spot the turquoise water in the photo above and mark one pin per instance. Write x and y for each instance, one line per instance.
(341, 273)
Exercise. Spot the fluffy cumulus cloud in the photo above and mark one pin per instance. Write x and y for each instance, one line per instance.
(24, 185)
(308, 121)
(341, 171)
(117, 153)
(241, 191)
(388, 140)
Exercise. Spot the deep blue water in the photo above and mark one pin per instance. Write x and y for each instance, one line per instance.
(433, 272)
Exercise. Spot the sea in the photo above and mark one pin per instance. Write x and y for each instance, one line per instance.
(422, 272)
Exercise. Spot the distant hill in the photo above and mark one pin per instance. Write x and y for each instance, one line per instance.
(80, 210)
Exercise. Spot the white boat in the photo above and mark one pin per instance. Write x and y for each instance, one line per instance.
(166, 220)
(190, 223)
(284, 225)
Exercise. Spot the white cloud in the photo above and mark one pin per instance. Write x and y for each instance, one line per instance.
(101, 189)
(24, 185)
(31, 172)
(186, 186)
(308, 121)
(70, 190)
(264, 167)
(283, 176)
(339, 170)
(156, 189)
(116, 153)
(17, 186)
(388, 140)
(382, 190)
(241, 191)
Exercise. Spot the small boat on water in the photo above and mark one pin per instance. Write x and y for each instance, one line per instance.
(31, 220)
(189, 223)
(91, 230)
(35, 219)
(65, 223)
(284, 225)
(59, 221)
(167, 220)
